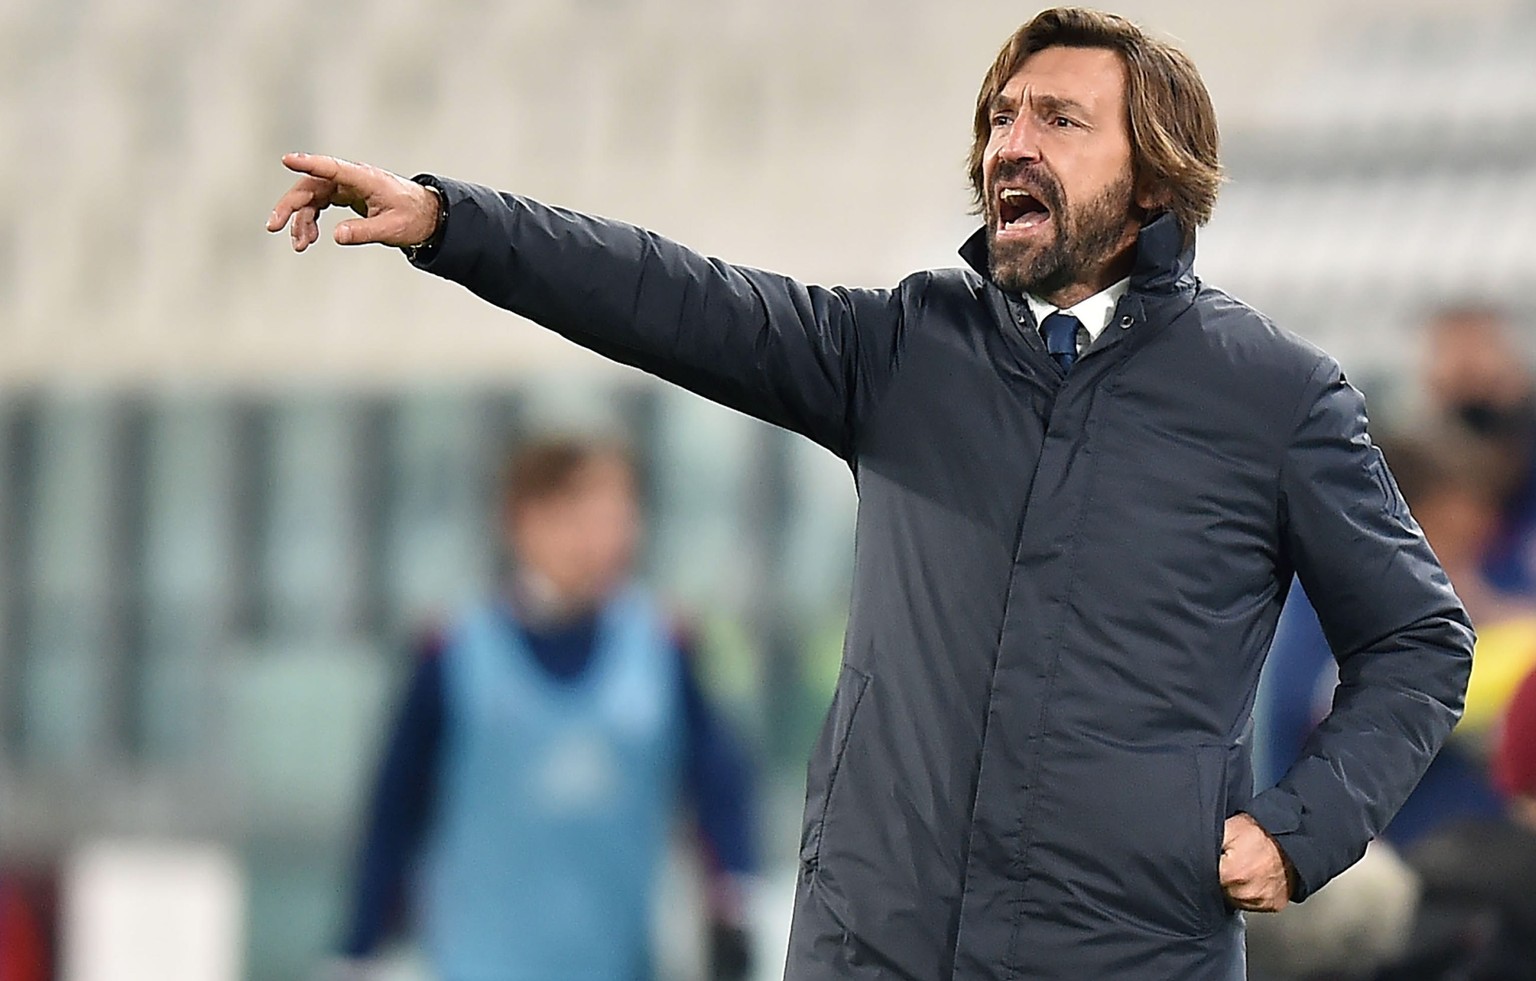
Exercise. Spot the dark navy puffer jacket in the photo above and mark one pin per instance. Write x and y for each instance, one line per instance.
(1064, 589)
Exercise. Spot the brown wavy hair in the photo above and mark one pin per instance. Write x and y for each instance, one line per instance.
(1175, 145)
(549, 466)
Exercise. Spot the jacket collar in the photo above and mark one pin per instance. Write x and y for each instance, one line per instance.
(1162, 265)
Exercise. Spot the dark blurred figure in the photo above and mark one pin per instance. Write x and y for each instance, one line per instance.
(1476, 373)
(1453, 481)
(528, 787)
(1477, 910)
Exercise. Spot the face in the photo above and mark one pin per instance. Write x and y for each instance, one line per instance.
(583, 539)
(1473, 369)
(1059, 198)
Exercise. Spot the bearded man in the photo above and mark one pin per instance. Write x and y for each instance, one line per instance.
(1085, 481)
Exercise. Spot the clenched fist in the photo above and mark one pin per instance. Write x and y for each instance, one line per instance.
(1255, 875)
(394, 210)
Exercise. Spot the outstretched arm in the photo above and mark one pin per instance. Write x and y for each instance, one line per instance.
(802, 357)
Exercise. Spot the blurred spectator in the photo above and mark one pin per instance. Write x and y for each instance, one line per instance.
(1476, 373)
(526, 791)
(1477, 917)
(1454, 481)
(1451, 480)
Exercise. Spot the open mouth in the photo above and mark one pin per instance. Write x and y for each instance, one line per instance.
(1017, 210)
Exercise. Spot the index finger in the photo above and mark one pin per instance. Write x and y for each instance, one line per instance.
(328, 168)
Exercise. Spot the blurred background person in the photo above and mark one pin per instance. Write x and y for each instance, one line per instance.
(545, 739)
(1476, 372)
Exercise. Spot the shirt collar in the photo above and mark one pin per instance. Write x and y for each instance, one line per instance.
(1094, 313)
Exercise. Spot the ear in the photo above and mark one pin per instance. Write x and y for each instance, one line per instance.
(1151, 197)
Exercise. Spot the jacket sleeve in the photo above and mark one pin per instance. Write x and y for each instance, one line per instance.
(718, 777)
(801, 357)
(1401, 638)
(404, 796)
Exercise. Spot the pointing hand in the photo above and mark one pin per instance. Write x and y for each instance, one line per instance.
(394, 211)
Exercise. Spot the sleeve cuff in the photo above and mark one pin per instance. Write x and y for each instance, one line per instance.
(462, 223)
(1279, 815)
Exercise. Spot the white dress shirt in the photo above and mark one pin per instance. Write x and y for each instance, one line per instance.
(1094, 313)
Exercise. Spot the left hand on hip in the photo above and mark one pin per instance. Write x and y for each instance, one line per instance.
(1254, 873)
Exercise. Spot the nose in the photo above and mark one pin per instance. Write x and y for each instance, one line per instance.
(1020, 141)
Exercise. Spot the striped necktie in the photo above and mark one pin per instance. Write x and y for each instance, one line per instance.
(1060, 333)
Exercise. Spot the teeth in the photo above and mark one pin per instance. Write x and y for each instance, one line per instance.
(1013, 194)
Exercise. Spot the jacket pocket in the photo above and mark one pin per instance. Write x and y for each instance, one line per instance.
(1136, 836)
(1211, 780)
(827, 759)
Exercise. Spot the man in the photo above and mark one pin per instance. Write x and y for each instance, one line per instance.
(537, 757)
(1085, 479)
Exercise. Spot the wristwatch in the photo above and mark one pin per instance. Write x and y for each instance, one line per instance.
(424, 251)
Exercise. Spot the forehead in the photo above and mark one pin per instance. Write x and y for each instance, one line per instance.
(603, 474)
(1091, 77)
(1481, 325)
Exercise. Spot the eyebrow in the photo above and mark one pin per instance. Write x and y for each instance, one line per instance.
(1043, 103)
(1060, 103)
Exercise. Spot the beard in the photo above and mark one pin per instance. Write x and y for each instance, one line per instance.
(1084, 239)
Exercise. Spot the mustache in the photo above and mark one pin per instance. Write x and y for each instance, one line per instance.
(1035, 176)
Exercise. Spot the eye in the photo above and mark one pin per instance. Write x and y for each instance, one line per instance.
(1063, 122)
(1002, 119)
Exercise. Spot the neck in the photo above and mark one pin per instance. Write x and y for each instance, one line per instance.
(1102, 279)
(539, 602)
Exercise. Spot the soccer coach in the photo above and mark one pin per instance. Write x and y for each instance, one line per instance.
(1085, 480)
